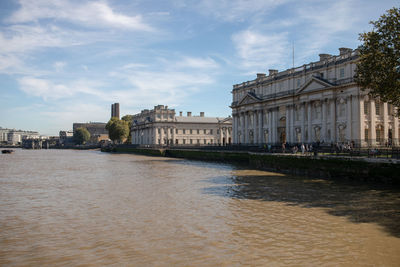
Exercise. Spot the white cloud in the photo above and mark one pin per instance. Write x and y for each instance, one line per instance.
(59, 66)
(237, 10)
(49, 90)
(198, 63)
(151, 87)
(93, 14)
(258, 51)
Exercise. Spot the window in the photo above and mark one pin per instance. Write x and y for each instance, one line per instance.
(366, 107)
(205, 131)
(184, 141)
(211, 131)
(217, 131)
(377, 108)
(205, 141)
(341, 73)
(191, 131)
(378, 134)
(191, 141)
(298, 82)
(159, 131)
(321, 74)
(198, 131)
(183, 131)
(211, 141)
(176, 141)
(176, 131)
(198, 141)
(390, 109)
(366, 137)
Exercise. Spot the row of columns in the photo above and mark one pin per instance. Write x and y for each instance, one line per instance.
(266, 128)
(330, 128)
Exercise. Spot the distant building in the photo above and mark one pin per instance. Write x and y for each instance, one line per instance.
(14, 137)
(115, 110)
(317, 102)
(161, 126)
(66, 137)
(97, 130)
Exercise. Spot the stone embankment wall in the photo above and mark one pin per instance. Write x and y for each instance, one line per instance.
(323, 167)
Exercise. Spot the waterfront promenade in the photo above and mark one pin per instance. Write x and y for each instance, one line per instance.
(377, 168)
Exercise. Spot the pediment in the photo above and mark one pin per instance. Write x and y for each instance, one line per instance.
(314, 84)
(249, 99)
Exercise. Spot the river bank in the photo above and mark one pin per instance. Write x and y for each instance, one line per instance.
(329, 167)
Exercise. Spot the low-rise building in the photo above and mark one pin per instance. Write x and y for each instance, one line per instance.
(97, 130)
(161, 126)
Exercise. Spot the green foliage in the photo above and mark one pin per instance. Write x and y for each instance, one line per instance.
(81, 136)
(118, 130)
(379, 65)
(128, 118)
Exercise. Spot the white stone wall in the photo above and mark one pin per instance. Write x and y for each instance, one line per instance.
(165, 128)
(318, 102)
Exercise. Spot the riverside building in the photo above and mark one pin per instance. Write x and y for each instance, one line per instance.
(317, 102)
(161, 126)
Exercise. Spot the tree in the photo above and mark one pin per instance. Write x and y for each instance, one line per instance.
(81, 136)
(128, 118)
(118, 129)
(379, 67)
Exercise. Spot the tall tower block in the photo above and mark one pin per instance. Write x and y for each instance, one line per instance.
(115, 110)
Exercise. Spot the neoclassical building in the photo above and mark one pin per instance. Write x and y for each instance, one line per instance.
(161, 126)
(317, 102)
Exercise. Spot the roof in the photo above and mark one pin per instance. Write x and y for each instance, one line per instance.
(198, 119)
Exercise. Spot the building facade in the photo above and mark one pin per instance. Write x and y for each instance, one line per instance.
(97, 130)
(317, 102)
(161, 126)
(14, 137)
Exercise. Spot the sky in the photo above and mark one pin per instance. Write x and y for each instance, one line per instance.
(68, 61)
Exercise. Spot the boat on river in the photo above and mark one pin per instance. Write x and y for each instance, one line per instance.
(7, 151)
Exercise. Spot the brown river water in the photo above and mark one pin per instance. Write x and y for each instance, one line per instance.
(87, 208)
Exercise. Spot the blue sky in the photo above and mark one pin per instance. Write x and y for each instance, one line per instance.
(68, 61)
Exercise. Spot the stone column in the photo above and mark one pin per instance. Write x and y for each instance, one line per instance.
(173, 129)
(395, 136)
(323, 121)
(255, 128)
(221, 135)
(372, 128)
(303, 122)
(269, 126)
(287, 131)
(275, 125)
(260, 127)
(385, 123)
(292, 128)
(349, 118)
(246, 130)
(361, 116)
(309, 125)
(333, 120)
(156, 137)
(162, 135)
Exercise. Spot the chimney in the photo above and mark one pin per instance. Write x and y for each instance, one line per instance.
(180, 113)
(324, 56)
(344, 50)
(115, 110)
(202, 114)
(189, 114)
(260, 75)
(272, 72)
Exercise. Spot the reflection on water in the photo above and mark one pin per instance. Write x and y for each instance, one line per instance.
(91, 208)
